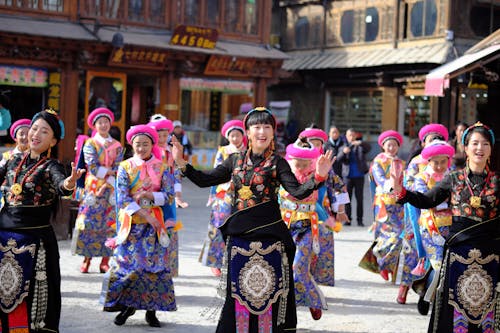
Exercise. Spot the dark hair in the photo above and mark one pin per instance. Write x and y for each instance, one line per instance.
(461, 123)
(53, 120)
(485, 133)
(312, 125)
(435, 136)
(303, 142)
(259, 117)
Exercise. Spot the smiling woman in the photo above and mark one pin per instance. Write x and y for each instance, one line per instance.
(32, 183)
(471, 251)
(257, 241)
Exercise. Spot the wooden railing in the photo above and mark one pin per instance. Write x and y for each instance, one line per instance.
(38, 6)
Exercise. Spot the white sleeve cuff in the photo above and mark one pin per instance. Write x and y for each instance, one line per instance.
(132, 208)
(178, 187)
(111, 180)
(342, 198)
(101, 172)
(159, 198)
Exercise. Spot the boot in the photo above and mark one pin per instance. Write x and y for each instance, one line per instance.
(104, 265)
(151, 319)
(122, 317)
(403, 291)
(84, 268)
(423, 306)
(315, 313)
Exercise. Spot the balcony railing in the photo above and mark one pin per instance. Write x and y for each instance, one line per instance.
(52, 6)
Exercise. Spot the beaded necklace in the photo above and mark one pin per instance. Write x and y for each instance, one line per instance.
(16, 187)
(475, 201)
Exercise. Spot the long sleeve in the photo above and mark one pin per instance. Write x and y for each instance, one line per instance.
(432, 198)
(206, 178)
(378, 174)
(123, 198)
(291, 184)
(91, 157)
(58, 176)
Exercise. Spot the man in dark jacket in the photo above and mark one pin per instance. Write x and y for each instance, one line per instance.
(352, 158)
(334, 143)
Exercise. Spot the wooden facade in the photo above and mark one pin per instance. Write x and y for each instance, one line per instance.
(142, 71)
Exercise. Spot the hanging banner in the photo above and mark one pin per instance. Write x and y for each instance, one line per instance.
(23, 76)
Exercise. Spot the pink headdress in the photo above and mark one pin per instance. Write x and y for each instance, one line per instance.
(437, 148)
(314, 133)
(17, 125)
(149, 132)
(293, 150)
(390, 134)
(162, 125)
(232, 125)
(433, 129)
(98, 113)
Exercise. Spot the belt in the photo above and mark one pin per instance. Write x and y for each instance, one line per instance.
(299, 207)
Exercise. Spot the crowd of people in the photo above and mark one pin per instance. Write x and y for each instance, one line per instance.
(270, 236)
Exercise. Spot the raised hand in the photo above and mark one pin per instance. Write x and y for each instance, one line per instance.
(396, 177)
(70, 182)
(177, 152)
(324, 163)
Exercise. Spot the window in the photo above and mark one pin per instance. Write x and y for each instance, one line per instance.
(423, 16)
(301, 32)
(157, 11)
(316, 31)
(231, 15)
(347, 26)
(250, 24)
(191, 12)
(371, 24)
(136, 10)
(212, 10)
(482, 16)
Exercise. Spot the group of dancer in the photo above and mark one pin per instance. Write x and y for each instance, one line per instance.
(437, 229)
(271, 230)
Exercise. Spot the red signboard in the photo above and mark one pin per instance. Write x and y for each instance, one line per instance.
(188, 35)
(227, 65)
(138, 57)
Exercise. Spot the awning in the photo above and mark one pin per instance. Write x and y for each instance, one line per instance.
(439, 79)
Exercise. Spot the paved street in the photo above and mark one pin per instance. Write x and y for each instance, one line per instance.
(360, 302)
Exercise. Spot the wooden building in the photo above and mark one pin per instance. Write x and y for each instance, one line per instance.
(362, 64)
(196, 61)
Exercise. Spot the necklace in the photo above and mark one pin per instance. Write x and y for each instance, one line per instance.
(17, 188)
(475, 201)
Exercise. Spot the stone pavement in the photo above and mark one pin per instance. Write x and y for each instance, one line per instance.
(360, 302)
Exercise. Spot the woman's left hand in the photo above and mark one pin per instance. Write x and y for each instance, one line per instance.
(70, 182)
(324, 163)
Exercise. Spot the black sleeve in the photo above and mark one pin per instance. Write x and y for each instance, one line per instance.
(58, 176)
(290, 183)
(219, 175)
(432, 198)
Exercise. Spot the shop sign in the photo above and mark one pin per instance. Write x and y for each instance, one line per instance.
(215, 104)
(193, 36)
(137, 57)
(23, 76)
(227, 86)
(227, 65)
(54, 91)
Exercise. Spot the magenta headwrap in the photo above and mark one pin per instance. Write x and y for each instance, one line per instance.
(17, 125)
(433, 128)
(98, 113)
(234, 124)
(314, 133)
(148, 131)
(437, 148)
(293, 150)
(390, 134)
(162, 125)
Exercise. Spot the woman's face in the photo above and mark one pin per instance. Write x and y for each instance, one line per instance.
(439, 163)
(235, 138)
(102, 126)
(41, 136)
(391, 147)
(142, 146)
(22, 138)
(261, 136)
(459, 131)
(300, 164)
(478, 149)
(162, 137)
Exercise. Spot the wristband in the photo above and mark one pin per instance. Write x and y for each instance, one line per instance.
(401, 195)
(319, 178)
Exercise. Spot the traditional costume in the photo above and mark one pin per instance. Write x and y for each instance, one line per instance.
(467, 296)
(221, 199)
(17, 125)
(96, 215)
(30, 278)
(259, 287)
(302, 219)
(140, 276)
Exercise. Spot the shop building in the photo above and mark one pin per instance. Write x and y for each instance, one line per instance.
(194, 61)
(363, 64)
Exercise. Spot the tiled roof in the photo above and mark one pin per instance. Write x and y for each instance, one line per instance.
(435, 53)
